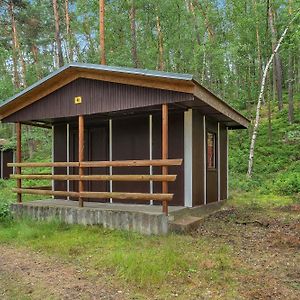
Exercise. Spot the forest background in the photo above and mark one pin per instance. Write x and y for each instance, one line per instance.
(225, 43)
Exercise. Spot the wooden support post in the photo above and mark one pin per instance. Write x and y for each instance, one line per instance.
(80, 155)
(19, 158)
(165, 152)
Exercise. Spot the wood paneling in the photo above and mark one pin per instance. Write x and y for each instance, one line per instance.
(130, 140)
(97, 97)
(96, 148)
(198, 159)
(176, 150)
(8, 157)
(60, 154)
(223, 162)
(98, 151)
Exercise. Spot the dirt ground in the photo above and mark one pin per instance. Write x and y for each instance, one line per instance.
(25, 274)
(265, 246)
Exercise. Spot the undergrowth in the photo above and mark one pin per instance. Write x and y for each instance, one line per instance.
(276, 169)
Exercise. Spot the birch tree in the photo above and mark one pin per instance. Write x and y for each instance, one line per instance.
(260, 97)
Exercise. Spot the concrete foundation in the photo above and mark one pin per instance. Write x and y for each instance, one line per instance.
(143, 219)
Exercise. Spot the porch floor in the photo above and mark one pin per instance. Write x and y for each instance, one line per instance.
(121, 207)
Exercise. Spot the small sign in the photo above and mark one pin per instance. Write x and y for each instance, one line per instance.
(78, 100)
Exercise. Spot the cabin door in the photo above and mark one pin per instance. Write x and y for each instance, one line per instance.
(211, 165)
(96, 148)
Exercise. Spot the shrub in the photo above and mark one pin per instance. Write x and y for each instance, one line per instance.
(287, 183)
(5, 213)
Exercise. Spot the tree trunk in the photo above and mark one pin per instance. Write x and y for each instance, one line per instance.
(15, 44)
(290, 77)
(208, 26)
(31, 144)
(59, 52)
(277, 62)
(290, 87)
(262, 88)
(134, 55)
(102, 31)
(68, 29)
(196, 27)
(23, 66)
(35, 54)
(161, 64)
(259, 56)
(268, 83)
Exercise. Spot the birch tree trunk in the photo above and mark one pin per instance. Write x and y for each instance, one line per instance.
(102, 31)
(23, 65)
(262, 88)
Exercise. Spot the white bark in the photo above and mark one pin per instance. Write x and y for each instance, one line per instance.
(260, 97)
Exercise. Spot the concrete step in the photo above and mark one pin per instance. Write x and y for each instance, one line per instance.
(184, 224)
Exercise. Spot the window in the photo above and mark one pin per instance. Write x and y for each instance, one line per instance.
(211, 150)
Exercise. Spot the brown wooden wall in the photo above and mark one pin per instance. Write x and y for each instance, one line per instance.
(8, 157)
(198, 155)
(97, 97)
(198, 162)
(60, 154)
(130, 140)
(176, 150)
(223, 162)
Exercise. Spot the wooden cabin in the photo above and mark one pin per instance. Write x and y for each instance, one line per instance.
(127, 135)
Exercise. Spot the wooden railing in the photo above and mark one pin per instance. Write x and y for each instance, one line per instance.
(165, 178)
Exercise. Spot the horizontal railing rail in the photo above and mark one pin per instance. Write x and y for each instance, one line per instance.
(99, 164)
(81, 194)
(169, 178)
(43, 187)
(98, 195)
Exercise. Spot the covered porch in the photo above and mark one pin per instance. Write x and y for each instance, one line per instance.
(81, 181)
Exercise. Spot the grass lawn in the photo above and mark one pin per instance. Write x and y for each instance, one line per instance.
(248, 250)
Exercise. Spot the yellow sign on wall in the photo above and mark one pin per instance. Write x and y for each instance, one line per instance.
(77, 100)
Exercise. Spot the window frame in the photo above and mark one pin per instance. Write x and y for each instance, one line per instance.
(214, 150)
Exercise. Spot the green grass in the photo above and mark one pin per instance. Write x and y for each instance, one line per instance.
(252, 200)
(133, 258)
